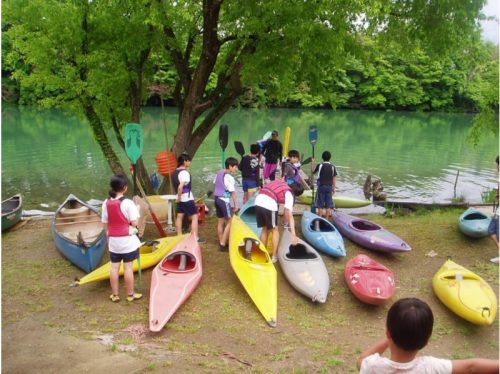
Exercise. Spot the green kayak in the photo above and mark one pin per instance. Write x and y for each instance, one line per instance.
(340, 201)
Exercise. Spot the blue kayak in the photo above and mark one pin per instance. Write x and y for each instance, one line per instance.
(322, 235)
(474, 223)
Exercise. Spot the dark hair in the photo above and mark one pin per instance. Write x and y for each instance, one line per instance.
(326, 156)
(254, 149)
(182, 158)
(118, 183)
(409, 322)
(275, 132)
(297, 188)
(293, 153)
(231, 161)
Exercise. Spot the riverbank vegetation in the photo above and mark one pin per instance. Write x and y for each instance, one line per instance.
(106, 62)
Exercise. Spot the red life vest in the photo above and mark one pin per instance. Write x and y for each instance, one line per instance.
(117, 222)
(276, 190)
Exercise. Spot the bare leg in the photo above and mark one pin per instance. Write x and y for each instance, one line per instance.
(225, 233)
(263, 236)
(113, 277)
(245, 197)
(194, 224)
(128, 275)
(220, 230)
(276, 240)
(178, 223)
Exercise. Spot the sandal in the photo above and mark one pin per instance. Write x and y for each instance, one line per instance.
(114, 298)
(135, 296)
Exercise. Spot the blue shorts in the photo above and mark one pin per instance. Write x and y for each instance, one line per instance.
(493, 227)
(187, 207)
(126, 257)
(249, 184)
(222, 208)
(324, 197)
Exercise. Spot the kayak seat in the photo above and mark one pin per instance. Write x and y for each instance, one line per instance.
(365, 226)
(178, 262)
(299, 251)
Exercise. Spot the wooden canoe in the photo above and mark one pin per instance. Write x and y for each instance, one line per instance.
(368, 234)
(370, 281)
(173, 280)
(322, 234)
(11, 211)
(255, 271)
(79, 234)
(303, 268)
(465, 293)
(151, 252)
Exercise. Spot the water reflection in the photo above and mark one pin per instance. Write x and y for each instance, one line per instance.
(47, 154)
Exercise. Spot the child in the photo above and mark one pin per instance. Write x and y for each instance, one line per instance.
(273, 152)
(118, 214)
(249, 168)
(408, 329)
(181, 179)
(327, 182)
(266, 210)
(290, 170)
(493, 227)
(224, 192)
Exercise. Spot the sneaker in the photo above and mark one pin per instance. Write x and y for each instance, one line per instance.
(495, 260)
(135, 296)
(223, 248)
(114, 298)
(201, 241)
(274, 259)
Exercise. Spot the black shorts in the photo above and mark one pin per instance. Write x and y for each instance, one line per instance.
(126, 257)
(187, 207)
(266, 217)
(222, 208)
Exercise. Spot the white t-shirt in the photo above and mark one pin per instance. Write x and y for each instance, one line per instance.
(229, 185)
(269, 203)
(185, 177)
(123, 244)
(376, 364)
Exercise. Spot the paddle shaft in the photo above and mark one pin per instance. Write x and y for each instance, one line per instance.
(157, 222)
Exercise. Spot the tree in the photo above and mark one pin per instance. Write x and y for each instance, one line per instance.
(99, 56)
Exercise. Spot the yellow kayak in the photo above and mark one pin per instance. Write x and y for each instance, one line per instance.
(150, 253)
(255, 271)
(465, 293)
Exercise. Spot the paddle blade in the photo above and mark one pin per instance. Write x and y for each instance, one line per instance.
(313, 134)
(223, 136)
(133, 141)
(239, 148)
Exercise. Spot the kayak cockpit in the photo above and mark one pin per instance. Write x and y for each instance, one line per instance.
(321, 225)
(365, 226)
(299, 252)
(179, 262)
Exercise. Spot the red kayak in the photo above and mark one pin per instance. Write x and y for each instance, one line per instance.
(173, 280)
(368, 280)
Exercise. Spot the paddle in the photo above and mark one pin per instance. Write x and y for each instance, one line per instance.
(313, 138)
(133, 148)
(239, 148)
(223, 137)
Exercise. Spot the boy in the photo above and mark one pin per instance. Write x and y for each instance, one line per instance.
(181, 180)
(290, 170)
(224, 192)
(249, 168)
(327, 182)
(266, 210)
(408, 329)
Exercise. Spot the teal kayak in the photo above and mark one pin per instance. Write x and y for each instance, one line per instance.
(339, 201)
(474, 223)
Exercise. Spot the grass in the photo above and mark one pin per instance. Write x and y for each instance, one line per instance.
(219, 329)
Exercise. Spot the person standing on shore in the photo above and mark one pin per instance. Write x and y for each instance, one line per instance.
(249, 168)
(120, 216)
(273, 153)
(493, 227)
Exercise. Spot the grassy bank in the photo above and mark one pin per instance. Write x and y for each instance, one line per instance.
(220, 330)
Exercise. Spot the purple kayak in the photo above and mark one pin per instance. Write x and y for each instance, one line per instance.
(368, 234)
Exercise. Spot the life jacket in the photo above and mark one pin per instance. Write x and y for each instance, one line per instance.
(220, 187)
(276, 190)
(117, 222)
(295, 177)
(175, 181)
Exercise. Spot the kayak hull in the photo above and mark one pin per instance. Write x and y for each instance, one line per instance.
(368, 234)
(465, 293)
(303, 268)
(338, 200)
(256, 273)
(322, 235)
(474, 223)
(173, 280)
(370, 281)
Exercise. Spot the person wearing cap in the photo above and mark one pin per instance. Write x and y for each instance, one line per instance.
(273, 153)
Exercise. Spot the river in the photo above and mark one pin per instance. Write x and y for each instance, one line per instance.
(49, 153)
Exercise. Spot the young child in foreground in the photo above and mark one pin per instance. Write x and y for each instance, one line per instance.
(408, 329)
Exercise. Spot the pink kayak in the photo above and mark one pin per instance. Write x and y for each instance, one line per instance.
(173, 280)
(368, 280)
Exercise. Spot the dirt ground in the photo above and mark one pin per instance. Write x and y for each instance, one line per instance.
(48, 327)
